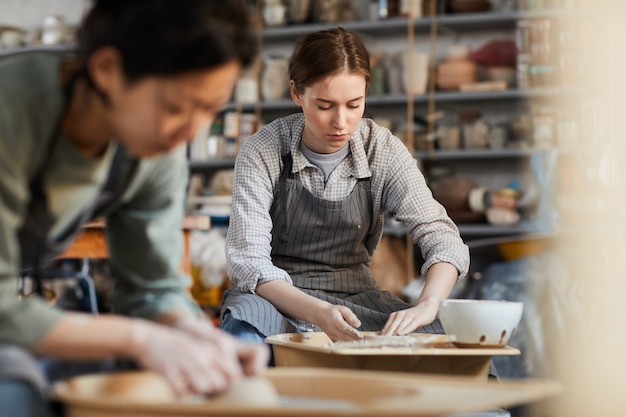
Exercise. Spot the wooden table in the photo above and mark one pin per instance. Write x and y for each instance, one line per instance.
(91, 243)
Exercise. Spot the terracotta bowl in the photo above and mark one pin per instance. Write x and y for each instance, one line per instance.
(480, 323)
(453, 193)
(453, 72)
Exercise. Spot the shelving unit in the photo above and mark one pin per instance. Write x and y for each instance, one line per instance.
(395, 27)
(65, 48)
(474, 230)
(440, 97)
(437, 155)
(446, 155)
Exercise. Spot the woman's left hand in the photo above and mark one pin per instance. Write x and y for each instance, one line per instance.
(405, 321)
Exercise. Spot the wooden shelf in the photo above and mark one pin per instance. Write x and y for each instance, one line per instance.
(462, 21)
(440, 97)
(398, 26)
(513, 94)
(40, 48)
(468, 230)
(446, 155)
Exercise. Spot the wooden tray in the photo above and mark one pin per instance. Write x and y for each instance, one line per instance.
(310, 392)
(435, 354)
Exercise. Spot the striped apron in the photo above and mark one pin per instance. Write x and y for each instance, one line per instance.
(326, 247)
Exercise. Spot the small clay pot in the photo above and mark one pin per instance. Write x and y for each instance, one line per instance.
(453, 72)
(453, 193)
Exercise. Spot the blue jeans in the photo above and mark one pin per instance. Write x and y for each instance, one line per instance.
(24, 380)
(19, 398)
(241, 329)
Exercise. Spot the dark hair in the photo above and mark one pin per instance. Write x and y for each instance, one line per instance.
(167, 37)
(328, 52)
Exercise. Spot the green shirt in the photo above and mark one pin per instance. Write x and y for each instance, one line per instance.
(143, 221)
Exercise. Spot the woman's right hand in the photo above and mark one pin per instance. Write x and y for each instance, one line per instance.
(192, 365)
(338, 322)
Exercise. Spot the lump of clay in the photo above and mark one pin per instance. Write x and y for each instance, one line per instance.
(253, 391)
(125, 387)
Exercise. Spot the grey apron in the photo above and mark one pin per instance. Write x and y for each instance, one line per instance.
(325, 246)
(36, 249)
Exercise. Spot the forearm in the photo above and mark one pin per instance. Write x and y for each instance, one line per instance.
(290, 301)
(85, 337)
(407, 195)
(440, 281)
(172, 317)
(80, 336)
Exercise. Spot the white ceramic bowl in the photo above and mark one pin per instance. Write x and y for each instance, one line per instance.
(480, 323)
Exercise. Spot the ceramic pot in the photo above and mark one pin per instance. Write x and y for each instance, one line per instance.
(10, 38)
(299, 10)
(453, 193)
(274, 81)
(274, 13)
(329, 11)
(395, 73)
(501, 73)
(247, 90)
(53, 30)
(415, 72)
(475, 135)
(449, 137)
(453, 72)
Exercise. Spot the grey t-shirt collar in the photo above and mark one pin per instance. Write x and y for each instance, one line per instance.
(326, 162)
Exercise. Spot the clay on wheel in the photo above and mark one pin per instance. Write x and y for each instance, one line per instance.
(130, 387)
(256, 391)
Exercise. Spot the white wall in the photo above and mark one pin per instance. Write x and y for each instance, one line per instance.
(29, 14)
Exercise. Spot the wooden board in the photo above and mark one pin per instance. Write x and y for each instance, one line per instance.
(425, 345)
(484, 86)
(312, 393)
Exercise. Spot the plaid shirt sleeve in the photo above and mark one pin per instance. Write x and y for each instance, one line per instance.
(249, 237)
(402, 191)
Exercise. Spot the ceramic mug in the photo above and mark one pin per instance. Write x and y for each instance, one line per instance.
(475, 135)
(10, 38)
(497, 137)
(415, 72)
(247, 90)
(449, 137)
(274, 14)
